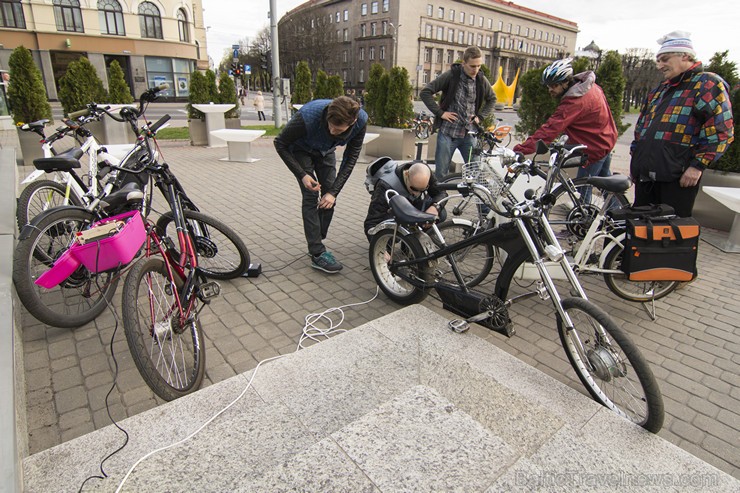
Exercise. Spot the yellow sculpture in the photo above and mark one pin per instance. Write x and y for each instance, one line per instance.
(504, 93)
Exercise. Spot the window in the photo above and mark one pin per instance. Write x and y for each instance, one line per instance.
(472, 19)
(488, 41)
(386, 5)
(381, 54)
(470, 38)
(362, 75)
(490, 24)
(438, 56)
(384, 27)
(372, 53)
(441, 12)
(182, 26)
(344, 56)
(508, 27)
(440, 33)
(111, 17)
(479, 41)
(428, 30)
(425, 77)
(363, 30)
(500, 25)
(339, 35)
(344, 75)
(338, 17)
(518, 30)
(427, 55)
(480, 21)
(11, 14)
(345, 35)
(526, 32)
(363, 9)
(452, 15)
(68, 16)
(461, 37)
(374, 8)
(430, 9)
(361, 56)
(150, 22)
(450, 56)
(462, 17)
(373, 28)
(346, 15)
(451, 35)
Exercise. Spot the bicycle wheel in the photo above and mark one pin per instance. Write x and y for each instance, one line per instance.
(221, 253)
(474, 262)
(609, 365)
(78, 299)
(571, 216)
(383, 252)
(169, 354)
(39, 196)
(640, 291)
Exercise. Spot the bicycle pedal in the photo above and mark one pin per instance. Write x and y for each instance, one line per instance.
(209, 290)
(459, 326)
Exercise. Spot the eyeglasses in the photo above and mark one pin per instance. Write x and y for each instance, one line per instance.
(408, 185)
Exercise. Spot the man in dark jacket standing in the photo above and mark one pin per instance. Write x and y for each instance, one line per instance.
(307, 145)
(467, 98)
(684, 126)
(582, 114)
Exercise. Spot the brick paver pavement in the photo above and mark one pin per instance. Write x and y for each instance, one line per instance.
(693, 346)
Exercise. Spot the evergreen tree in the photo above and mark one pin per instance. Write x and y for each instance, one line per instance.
(197, 94)
(26, 92)
(611, 79)
(80, 85)
(118, 90)
(227, 94)
(536, 105)
(213, 96)
(374, 96)
(302, 89)
(335, 87)
(322, 85)
(398, 105)
(720, 65)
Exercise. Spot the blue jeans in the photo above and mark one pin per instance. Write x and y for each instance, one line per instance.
(599, 168)
(446, 146)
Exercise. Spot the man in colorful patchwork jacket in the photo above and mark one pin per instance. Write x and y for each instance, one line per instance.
(684, 126)
(306, 145)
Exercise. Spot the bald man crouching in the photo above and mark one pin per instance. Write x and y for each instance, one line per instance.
(416, 182)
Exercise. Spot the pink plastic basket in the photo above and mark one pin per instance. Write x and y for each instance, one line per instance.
(101, 255)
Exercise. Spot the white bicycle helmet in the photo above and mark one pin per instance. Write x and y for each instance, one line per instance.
(557, 71)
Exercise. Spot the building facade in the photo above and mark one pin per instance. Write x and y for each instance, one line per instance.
(154, 41)
(345, 37)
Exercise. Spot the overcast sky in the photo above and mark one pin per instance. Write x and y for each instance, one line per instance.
(613, 25)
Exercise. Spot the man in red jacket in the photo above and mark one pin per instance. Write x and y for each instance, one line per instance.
(582, 114)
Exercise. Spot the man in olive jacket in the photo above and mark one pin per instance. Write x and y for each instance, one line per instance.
(467, 98)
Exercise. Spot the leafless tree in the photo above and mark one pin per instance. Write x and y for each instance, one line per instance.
(305, 37)
(638, 67)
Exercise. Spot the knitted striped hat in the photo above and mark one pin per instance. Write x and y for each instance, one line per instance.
(676, 42)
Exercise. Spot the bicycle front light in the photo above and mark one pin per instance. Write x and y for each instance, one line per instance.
(553, 253)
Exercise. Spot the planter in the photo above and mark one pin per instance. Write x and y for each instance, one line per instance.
(114, 132)
(233, 123)
(396, 143)
(709, 212)
(30, 146)
(198, 134)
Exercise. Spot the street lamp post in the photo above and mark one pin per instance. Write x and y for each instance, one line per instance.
(395, 43)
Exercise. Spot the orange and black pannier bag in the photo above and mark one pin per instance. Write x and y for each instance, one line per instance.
(661, 249)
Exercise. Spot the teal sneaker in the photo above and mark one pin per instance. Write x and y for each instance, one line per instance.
(326, 262)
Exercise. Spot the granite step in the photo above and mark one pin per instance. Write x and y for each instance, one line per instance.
(399, 404)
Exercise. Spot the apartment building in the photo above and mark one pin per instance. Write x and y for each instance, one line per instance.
(154, 41)
(345, 37)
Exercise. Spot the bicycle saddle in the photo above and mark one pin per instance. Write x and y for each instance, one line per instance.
(61, 162)
(405, 213)
(30, 127)
(614, 183)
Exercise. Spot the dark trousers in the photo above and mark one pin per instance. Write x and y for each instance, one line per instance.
(261, 115)
(316, 221)
(671, 193)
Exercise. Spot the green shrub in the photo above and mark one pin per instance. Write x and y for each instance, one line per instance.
(322, 85)
(536, 104)
(212, 87)
(398, 105)
(730, 160)
(118, 90)
(302, 90)
(227, 94)
(197, 94)
(26, 92)
(374, 94)
(611, 79)
(80, 86)
(334, 87)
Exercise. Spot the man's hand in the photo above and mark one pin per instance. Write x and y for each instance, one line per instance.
(690, 177)
(327, 201)
(432, 210)
(310, 184)
(450, 116)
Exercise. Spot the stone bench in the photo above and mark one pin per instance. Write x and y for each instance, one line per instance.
(730, 198)
(239, 143)
(369, 137)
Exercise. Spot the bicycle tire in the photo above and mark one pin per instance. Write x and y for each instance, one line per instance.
(639, 291)
(634, 394)
(221, 253)
(474, 262)
(406, 248)
(39, 196)
(77, 300)
(170, 357)
(570, 222)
